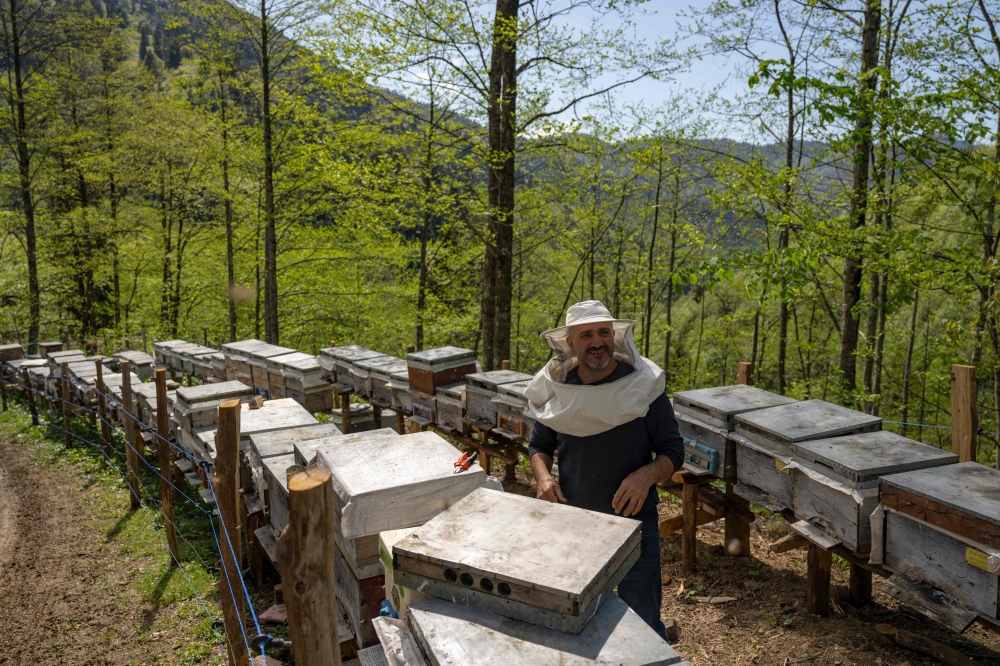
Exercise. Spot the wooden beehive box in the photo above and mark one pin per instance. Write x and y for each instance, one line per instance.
(11, 352)
(46, 348)
(162, 351)
(778, 428)
(942, 529)
(454, 635)
(397, 595)
(450, 408)
(361, 595)
(238, 355)
(344, 359)
(707, 416)
(539, 562)
(141, 362)
(381, 378)
(276, 489)
(258, 366)
(276, 371)
(431, 368)
(307, 452)
(273, 415)
(361, 372)
(481, 393)
(392, 482)
(263, 445)
(513, 421)
(399, 386)
(197, 406)
(835, 481)
(327, 364)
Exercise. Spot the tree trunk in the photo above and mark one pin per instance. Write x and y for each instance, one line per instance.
(501, 114)
(649, 263)
(783, 235)
(670, 307)
(425, 229)
(24, 174)
(859, 195)
(228, 206)
(167, 232)
(270, 233)
(908, 361)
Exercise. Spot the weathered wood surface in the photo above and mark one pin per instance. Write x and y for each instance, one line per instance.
(765, 472)
(432, 359)
(11, 352)
(951, 657)
(306, 552)
(968, 488)
(719, 406)
(207, 396)
(276, 495)
(387, 483)
(778, 427)
(712, 437)
(819, 563)
(491, 380)
(455, 635)
(306, 451)
(964, 415)
(933, 557)
(550, 555)
(360, 598)
(864, 457)
(164, 455)
(282, 442)
(929, 602)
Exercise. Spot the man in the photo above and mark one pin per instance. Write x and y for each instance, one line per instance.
(603, 408)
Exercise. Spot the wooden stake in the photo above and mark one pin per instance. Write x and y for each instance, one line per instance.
(509, 471)
(102, 411)
(964, 419)
(410, 349)
(305, 555)
(163, 454)
(689, 527)
(3, 390)
(227, 466)
(377, 416)
(253, 519)
(64, 393)
(819, 564)
(31, 396)
(400, 422)
(744, 372)
(131, 451)
(345, 412)
(737, 529)
(505, 365)
(860, 591)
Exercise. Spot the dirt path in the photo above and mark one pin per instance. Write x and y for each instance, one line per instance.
(65, 594)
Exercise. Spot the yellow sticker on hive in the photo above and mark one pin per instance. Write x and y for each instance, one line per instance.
(977, 558)
(780, 465)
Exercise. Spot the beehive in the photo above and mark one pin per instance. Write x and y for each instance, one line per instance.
(450, 407)
(481, 392)
(431, 368)
(540, 562)
(513, 421)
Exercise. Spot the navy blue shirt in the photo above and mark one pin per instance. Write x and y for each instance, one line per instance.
(591, 469)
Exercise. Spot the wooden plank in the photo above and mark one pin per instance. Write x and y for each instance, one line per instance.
(814, 534)
(929, 602)
(891, 635)
(788, 542)
(744, 372)
(227, 442)
(964, 417)
(305, 554)
(942, 516)
(675, 523)
(689, 527)
(455, 635)
(819, 563)
(927, 555)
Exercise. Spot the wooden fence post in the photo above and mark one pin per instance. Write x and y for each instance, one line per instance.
(744, 372)
(102, 411)
(305, 555)
(689, 524)
(964, 419)
(31, 396)
(131, 452)
(64, 384)
(227, 466)
(3, 390)
(163, 454)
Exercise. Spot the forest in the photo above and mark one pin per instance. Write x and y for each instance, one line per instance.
(396, 172)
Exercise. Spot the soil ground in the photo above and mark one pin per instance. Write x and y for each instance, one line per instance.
(768, 624)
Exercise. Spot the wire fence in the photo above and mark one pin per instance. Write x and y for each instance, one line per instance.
(145, 498)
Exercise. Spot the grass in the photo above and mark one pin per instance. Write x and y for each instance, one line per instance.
(174, 599)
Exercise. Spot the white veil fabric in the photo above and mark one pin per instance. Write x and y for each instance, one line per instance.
(584, 410)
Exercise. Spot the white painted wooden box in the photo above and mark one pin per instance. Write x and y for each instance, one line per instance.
(548, 564)
(480, 392)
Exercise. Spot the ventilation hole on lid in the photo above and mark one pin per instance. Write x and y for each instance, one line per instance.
(486, 584)
(466, 579)
(450, 575)
(504, 589)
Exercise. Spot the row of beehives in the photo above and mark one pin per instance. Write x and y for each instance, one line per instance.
(911, 507)
(407, 522)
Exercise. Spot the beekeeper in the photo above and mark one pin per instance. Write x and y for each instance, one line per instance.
(602, 407)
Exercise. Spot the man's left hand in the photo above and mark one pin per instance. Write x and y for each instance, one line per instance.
(632, 493)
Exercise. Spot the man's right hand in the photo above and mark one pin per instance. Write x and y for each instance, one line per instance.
(549, 490)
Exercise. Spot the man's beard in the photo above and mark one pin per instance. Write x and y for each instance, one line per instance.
(594, 364)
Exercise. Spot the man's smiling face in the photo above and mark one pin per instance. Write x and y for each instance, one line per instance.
(593, 344)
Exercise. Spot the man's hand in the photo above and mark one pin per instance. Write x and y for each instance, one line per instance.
(549, 490)
(632, 493)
